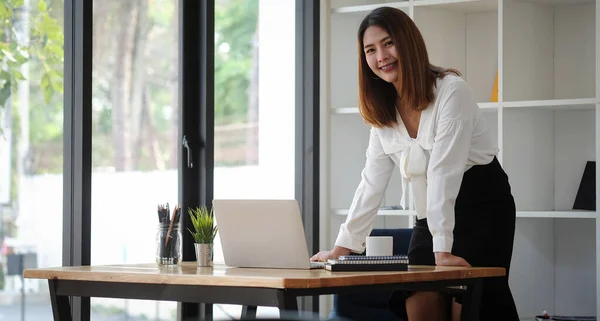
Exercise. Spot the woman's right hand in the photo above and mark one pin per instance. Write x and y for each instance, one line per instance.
(323, 256)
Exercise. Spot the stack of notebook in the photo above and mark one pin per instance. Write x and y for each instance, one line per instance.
(368, 263)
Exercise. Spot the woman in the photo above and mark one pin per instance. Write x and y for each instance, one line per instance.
(425, 120)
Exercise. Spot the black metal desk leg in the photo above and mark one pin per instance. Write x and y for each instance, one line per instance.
(472, 301)
(61, 308)
(206, 311)
(249, 312)
(189, 311)
(287, 304)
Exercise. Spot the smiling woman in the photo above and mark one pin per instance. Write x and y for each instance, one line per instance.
(381, 53)
(425, 121)
(383, 38)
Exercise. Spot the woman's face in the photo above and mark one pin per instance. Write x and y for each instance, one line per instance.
(380, 52)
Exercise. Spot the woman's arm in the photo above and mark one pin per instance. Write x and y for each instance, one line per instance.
(451, 147)
(375, 178)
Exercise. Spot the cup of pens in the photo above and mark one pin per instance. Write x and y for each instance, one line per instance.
(168, 236)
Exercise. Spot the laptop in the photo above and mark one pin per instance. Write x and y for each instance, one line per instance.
(262, 234)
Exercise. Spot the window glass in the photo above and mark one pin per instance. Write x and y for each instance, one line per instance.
(254, 107)
(135, 129)
(31, 152)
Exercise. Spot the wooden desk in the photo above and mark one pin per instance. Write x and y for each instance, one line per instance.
(244, 286)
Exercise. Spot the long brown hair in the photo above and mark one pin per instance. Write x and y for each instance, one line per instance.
(416, 75)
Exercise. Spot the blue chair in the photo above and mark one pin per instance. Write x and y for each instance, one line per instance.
(372, 305)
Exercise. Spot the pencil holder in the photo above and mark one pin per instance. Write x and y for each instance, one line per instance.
(168, 244)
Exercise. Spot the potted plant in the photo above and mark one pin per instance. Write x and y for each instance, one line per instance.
(204, 234)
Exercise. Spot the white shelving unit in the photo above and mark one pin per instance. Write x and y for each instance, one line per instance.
(546, 56)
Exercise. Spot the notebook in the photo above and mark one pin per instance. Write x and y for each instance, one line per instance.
(368, 263)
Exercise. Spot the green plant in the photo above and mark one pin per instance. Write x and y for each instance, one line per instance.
(44, 48)
(205, 229)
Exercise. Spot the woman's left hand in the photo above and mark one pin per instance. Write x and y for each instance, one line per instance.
(448, 259)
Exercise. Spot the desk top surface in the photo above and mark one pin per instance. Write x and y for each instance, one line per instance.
(220, 275)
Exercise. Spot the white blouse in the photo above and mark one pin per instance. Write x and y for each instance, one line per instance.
(452, 136)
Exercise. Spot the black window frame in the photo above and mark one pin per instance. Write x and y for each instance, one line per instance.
(77, 142)
(307, 126)
(196, 98)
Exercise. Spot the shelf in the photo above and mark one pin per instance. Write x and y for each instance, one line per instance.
(462, 6)
(555, 104)
(557, 214)
(489, 105)
(571, 104)
(340, 211)
(466, 40)
(560, 2)
(370, 7)
(545, 124)
(354, 110)
(557, 64)
(524, 214)
(544, 154)
(345, 110)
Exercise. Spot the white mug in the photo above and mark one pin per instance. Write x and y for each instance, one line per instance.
(380, 245)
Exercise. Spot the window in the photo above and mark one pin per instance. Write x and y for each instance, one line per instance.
(135, 139)
(31, 152)
(254, 106)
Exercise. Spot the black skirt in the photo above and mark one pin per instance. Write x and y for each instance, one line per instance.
(484, 232)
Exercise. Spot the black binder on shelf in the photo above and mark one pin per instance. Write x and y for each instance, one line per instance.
(359, 263)
(586, 195)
